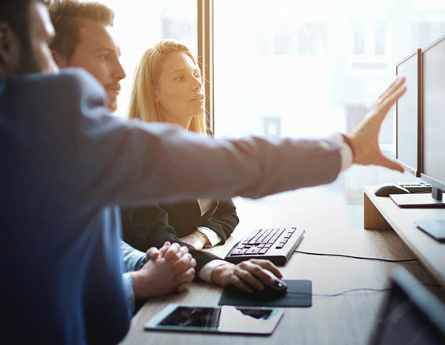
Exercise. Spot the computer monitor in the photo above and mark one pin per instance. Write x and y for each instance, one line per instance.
(432, 167)
(408, 111)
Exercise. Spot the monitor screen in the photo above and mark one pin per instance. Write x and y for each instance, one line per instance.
(433, 169)
(408, 115)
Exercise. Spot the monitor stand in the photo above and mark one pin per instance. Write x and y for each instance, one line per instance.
(419, 200)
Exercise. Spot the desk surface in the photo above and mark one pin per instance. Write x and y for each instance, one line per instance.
(346, 319)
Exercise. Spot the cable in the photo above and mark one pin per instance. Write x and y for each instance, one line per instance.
(355, 257)
(349, 291)
(338, 294)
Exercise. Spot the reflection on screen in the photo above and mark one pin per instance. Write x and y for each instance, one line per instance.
(225, 318)
(193, 317)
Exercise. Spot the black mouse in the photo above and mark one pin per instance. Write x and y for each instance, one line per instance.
(387, 189)
(270, 292)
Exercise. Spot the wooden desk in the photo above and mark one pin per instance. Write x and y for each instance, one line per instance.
(383, 213)
(343, 320)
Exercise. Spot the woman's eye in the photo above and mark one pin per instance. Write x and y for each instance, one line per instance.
(104, 56)
(179, 78)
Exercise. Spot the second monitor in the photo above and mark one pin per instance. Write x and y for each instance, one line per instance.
(432, 119)
(408, 114)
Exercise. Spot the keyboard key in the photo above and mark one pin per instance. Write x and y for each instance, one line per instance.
(275, 244)
(253, 250)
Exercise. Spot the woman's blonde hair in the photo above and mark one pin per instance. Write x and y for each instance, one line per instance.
(146, 78)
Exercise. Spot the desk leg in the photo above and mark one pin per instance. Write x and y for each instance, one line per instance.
(373, 218)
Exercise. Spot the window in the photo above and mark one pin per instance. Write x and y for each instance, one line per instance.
(292, 69)
(371, 47)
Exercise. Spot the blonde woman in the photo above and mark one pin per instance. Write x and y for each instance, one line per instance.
(168, 87)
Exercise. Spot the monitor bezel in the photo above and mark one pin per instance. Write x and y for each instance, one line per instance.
(428, 178)
(416, 171)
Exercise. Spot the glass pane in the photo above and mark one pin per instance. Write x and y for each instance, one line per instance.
(139, 24)
(359, 38)
(380, 38)
(340, 57)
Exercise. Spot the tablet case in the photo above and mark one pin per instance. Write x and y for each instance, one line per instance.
(299, 294)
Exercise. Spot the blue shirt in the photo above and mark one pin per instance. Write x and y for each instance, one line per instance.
(65, 166)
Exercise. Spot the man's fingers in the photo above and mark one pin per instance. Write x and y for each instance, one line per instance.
(185, 277)
(250, 273)
(152, 253)
(171, 252)
(181, 287)
(183, 263)
(391, 88)
(392, 99)
(164, 249)
(238, 283)
(193, 262)
(182, 251)
(390, 164)
(268, 265)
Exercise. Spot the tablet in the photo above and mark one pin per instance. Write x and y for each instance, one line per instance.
(219, 319)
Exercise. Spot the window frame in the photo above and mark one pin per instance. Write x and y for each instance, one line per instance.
(205, 57)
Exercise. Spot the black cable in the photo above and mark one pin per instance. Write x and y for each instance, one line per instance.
(338, 294)
(355, 257)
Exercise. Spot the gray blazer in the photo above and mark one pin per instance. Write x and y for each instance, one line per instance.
(66, 164)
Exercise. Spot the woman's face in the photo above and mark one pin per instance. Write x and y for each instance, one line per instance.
(179, 94)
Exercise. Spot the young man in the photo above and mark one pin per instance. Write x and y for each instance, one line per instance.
(68, 163)
(84, 38)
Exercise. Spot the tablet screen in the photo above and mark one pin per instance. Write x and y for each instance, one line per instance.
(225, 319)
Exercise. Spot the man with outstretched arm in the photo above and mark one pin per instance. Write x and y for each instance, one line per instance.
(68, 163)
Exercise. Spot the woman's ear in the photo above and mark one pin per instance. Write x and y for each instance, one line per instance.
(156, 94)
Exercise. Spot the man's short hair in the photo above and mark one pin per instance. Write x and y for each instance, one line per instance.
(67, 16)
(16, 14)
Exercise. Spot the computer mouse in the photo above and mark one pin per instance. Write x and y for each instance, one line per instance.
(270, 292)
(390, 188)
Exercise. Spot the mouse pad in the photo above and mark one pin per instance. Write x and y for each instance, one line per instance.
(299, 294)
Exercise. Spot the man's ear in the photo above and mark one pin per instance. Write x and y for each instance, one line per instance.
(9, 49)
(59, 59)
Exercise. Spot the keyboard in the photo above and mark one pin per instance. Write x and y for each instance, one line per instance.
(276, 245)
(416, 187)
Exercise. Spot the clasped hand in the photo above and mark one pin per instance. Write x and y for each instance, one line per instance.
(167, 270)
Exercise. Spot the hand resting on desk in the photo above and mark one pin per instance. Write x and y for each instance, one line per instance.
(230, 274)
(168, 270)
